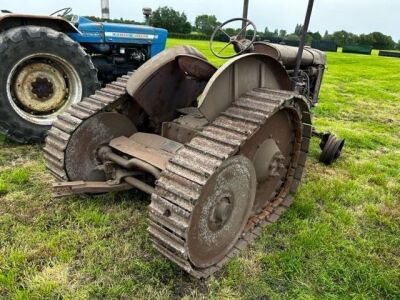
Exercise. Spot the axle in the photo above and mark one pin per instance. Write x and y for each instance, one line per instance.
(148, 157)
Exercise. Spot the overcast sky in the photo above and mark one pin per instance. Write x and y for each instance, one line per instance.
(358, 16)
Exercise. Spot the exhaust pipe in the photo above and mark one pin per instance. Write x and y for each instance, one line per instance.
(304, 32)
(105, 9)
(147, 11)
(245, 16)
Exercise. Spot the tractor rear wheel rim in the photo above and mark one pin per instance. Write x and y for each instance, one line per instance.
(42, 86)
(221, 212)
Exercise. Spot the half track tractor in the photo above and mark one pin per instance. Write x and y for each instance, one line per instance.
(49, 64)
(220, 151)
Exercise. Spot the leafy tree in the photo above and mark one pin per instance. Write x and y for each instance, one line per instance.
(309, 38)
(343, 37)
(282, 33)
(231, 31)
(327, 36)
(316, 35)
(298, 29)
(292, 37)
(206, 24)
(170, 19)
(269, 35)
(250, 33)
(377, 40)
(398, 45)
(276, 33)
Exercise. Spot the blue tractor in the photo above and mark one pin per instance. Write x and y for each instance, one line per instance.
(50, 63)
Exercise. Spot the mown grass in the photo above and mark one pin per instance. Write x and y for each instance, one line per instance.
(340, 240)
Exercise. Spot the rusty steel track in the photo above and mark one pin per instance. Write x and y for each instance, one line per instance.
(66, 124)
(181, 184)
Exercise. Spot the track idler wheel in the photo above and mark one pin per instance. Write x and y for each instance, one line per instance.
(271, 150)
(331, 148)
(221, 212)
(81, 156)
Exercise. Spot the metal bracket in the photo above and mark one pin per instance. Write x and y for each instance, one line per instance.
(120, 175)
(63, 189)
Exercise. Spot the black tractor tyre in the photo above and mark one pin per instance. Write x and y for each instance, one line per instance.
(18, 44)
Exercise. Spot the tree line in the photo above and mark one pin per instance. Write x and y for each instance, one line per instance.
(377, 40)
(177, 22)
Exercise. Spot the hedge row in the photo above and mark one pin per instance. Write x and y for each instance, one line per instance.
(198, 37)
(358, 49)
(184, 36)
(389, 53)
(317, 44)
(330, 46)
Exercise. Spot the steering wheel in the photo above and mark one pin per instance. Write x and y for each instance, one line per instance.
(65, 11)
(241, 45)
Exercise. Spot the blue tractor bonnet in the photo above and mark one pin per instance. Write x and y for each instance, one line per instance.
(113, 33)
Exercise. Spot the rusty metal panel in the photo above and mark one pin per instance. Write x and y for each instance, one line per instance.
(196, 67)
(161, 87)
(287, 54)
(238, 76)
(177, 132)
(153, 149)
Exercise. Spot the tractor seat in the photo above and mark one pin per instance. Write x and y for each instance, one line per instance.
(196, 67)
(162, 85)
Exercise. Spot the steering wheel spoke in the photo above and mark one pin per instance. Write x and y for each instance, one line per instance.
(226, 46)
(243, 29)
(65, 11)
(224, 32)
(236, 40)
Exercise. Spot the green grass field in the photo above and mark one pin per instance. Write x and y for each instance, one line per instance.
(340, 240)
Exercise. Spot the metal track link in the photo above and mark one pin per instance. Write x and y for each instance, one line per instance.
(179, 187)
(58, 136)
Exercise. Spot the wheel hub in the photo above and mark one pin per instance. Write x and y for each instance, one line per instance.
(268, 160)
(40, 88)
(221, 212)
